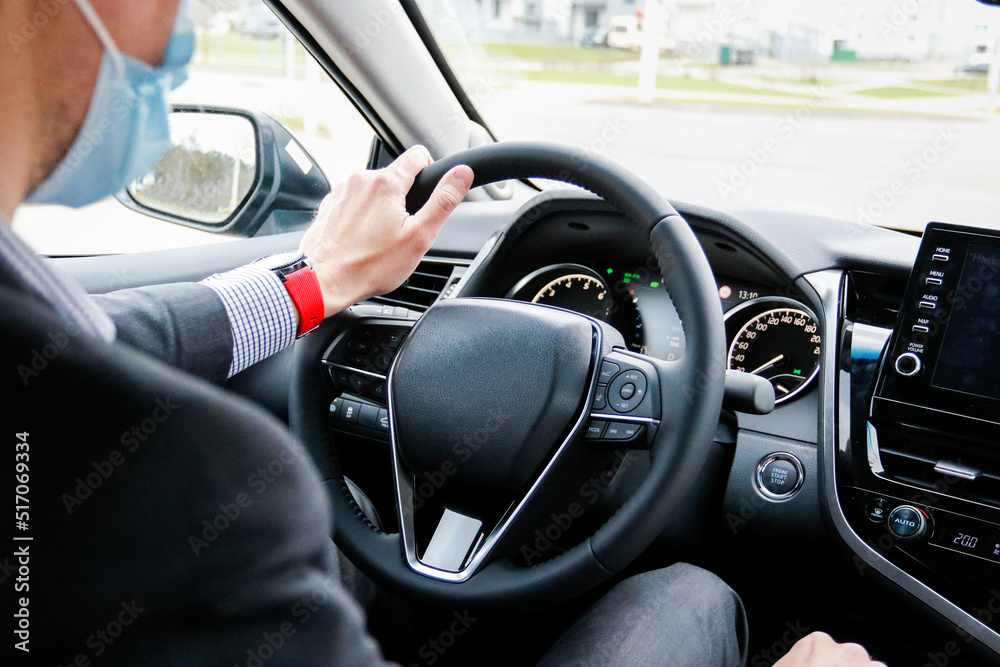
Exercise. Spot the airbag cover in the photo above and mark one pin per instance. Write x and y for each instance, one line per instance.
(482, 392)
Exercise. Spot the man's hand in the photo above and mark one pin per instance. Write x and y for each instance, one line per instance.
(363, 242)
(819, 650)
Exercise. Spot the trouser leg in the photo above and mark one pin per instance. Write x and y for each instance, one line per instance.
(681, 615)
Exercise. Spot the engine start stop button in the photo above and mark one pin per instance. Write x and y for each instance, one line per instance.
(779, 476)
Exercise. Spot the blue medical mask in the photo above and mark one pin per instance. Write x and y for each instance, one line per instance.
(127, 127)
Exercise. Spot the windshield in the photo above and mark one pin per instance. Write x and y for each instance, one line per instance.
(877, 111)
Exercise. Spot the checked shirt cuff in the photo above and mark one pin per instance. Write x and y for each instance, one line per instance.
(260, 311)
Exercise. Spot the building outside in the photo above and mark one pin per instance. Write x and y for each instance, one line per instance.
(785, 30)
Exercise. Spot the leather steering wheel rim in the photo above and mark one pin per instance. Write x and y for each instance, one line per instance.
(678, 453)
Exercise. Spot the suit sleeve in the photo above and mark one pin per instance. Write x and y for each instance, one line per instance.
(213, 329)
(185, 325)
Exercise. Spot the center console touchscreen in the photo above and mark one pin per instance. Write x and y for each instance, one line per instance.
(945, 352)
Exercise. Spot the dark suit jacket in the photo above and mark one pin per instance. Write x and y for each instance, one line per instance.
(171, 523)
(183, 325)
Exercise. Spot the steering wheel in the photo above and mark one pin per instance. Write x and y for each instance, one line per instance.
(544, 385)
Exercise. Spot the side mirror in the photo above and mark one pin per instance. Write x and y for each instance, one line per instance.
(230, 171)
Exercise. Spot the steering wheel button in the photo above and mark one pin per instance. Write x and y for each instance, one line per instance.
(383, 420)
(634, 376)
(622, 431)
(350, 411)
(622, 405)
(608, 371)
(350, 382)
(368, 417)
(377, 390)
(392, 338)
(600, 398)
(627, 390)
(383, 361)
(357, 384)
(595, 429)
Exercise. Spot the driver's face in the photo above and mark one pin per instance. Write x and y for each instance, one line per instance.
(141, 28)
(54, 69)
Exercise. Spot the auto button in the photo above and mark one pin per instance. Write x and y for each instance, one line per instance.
(907, 523)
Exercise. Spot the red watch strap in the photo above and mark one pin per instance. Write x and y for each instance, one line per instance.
(303, 287)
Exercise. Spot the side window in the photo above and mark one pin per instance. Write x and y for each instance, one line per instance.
(245, 58)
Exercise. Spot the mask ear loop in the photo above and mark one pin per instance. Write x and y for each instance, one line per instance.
(102, 33)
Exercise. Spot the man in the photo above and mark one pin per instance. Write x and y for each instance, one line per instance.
(165, 522)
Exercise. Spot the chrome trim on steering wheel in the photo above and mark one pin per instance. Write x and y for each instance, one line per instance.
(483, 547)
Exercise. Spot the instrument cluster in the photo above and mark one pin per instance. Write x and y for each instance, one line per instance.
(767, 334)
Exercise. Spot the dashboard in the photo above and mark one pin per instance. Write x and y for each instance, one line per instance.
(818, 321)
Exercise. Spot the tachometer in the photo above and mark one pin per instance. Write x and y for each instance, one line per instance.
(780, 341)
(578, 292)
(570, 286)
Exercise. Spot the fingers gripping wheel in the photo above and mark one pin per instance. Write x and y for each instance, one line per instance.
(458, 361)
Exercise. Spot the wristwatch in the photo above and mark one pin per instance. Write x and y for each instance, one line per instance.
(302, 285)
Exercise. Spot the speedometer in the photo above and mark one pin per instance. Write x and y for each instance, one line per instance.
(778, 340)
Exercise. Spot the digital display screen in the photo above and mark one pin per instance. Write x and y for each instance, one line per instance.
(969, 361)
(970, 537)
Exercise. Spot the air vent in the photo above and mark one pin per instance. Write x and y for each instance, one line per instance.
(423, 286)
(937, 465)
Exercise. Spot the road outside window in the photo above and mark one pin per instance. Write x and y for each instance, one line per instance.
(873, 111)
